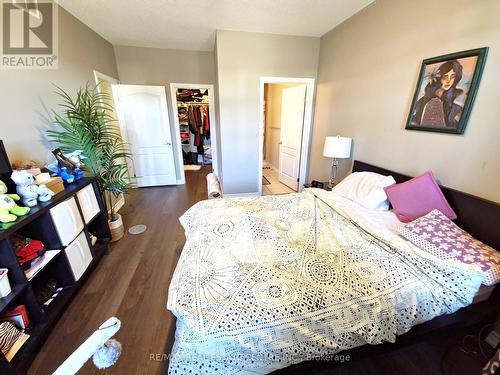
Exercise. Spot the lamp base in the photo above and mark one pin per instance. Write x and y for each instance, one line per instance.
(331, 184)
(333, 175)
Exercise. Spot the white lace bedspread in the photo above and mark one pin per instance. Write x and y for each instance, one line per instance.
(263, 283)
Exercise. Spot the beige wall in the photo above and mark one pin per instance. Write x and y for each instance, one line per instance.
(161, 67)
(242, 58)
(27, 96)
(367, 75)
(156, 66)
(273, 94)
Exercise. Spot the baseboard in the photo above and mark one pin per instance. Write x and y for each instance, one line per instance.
(234, 195)
(267, 164)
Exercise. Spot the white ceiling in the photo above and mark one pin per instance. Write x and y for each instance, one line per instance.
(191, 24)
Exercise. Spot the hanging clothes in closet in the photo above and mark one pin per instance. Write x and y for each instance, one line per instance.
(199, 125)
(194, 121)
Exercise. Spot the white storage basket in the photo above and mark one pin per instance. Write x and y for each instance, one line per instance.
(4, 283)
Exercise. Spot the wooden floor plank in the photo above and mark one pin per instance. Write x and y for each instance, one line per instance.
(132, 284)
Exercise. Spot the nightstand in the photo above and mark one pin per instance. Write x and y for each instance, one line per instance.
(325, 185)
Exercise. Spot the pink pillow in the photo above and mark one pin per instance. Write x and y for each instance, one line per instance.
(439, 236)
(418, 197)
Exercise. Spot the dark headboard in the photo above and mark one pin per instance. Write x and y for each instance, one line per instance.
(478, 216)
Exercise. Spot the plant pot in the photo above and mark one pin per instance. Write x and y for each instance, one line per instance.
(116, 228)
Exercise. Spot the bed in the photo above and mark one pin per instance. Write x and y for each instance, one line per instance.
(265, 283)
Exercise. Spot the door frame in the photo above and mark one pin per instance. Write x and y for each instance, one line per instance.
(306, 130)
(213, 125)
(98, 76)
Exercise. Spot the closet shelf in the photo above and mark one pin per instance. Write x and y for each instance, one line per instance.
(187, 104)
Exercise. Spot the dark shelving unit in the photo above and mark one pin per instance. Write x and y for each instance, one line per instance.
(38, 224)
(16, 291)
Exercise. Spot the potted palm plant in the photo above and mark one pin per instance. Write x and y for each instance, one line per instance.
(85, 124)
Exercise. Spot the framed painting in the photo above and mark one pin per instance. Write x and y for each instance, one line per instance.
(445, 92)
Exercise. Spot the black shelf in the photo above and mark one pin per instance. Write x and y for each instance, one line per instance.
(55, 309)
(45, 267)
(39, 224)
(7, 300)
(21, 361)
(9, 228)
(100, 248)
(91, 221)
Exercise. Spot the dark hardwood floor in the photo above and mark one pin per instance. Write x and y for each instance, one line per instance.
(132, 282)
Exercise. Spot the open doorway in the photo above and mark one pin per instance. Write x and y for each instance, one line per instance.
(286, 117)
(194, 124)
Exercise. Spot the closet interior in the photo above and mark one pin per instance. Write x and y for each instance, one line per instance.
(194, 125)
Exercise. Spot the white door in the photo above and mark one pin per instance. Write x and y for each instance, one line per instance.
(143, 115)
(292, 121)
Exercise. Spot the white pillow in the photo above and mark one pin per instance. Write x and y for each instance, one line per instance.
(366, 189)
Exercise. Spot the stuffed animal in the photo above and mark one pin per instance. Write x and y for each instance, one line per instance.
(28, 190)
(9, 210)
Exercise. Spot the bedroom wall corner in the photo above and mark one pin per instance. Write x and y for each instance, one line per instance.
(368, 70)
(28, 98)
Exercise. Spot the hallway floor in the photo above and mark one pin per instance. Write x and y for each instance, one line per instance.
(275, 187)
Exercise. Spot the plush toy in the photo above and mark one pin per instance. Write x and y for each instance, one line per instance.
(9, 210)
(28, 190)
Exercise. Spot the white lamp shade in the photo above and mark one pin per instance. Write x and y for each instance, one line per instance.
(337, 147)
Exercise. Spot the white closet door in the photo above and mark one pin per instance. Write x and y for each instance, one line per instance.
(143, 115)
(292, 122)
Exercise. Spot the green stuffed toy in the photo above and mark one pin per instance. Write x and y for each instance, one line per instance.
(9, 210)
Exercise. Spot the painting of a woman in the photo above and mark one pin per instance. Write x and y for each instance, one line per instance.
(438, 107)
(445, 92)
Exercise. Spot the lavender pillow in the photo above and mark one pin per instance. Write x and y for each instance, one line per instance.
(439, 236)
(417, 197)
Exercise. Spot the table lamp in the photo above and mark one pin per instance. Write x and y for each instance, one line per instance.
(337, 148)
